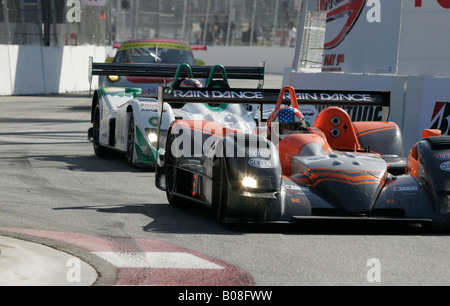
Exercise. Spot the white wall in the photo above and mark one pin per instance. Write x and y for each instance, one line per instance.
(275, 58)
(424, 40)
(27, 70)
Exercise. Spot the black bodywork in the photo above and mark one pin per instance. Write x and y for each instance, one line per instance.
(394, 192)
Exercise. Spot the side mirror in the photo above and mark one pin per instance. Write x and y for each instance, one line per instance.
(431, 132)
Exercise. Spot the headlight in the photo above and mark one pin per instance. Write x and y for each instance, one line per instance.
(249, 182)
(152, 137)
(113, 78)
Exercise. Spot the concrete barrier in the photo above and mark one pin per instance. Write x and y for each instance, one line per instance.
(276, 58)
(28, 70)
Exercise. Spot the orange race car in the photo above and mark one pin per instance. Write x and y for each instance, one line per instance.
(286, 171)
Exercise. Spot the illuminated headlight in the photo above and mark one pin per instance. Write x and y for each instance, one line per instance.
(152, 137)
(249, 182)
(113, 78)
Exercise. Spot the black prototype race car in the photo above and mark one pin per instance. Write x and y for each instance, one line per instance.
(336, 169)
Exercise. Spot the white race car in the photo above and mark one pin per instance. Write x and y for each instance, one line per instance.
(125, 120)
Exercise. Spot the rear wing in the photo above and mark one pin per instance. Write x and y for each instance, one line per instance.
(274, 96)
(195, 47)
(169, 71)
(287, 95)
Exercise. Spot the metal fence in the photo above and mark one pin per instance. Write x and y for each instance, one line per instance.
(97, 22)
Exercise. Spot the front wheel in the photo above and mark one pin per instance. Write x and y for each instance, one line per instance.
(171, 175)
(99, 150)
(130, 140)
(222, 204)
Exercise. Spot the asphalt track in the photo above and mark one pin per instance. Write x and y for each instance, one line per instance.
(57, 196)
(31, 257)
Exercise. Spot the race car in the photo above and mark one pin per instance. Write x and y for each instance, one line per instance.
(149, 51)
(335, 170)
(126, 120)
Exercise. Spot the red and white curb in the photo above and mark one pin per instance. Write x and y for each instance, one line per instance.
(142, 261)
(158, 260)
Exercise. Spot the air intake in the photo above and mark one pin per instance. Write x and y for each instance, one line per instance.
(439, 142)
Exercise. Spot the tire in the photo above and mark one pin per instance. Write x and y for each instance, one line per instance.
(223, 194)
(130, 140)
(99, 150)
(171, 175)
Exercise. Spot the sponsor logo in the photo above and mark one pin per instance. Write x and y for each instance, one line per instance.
(445, 166)
(259, 153)
(230, 94)
(443, 156)
(153, 121)
(331, 61)
(350, 9)
(333, 97)
(360, 113)
(440, 117)
(259, 163)
(405, 188)
(444, 3)
(406, 191)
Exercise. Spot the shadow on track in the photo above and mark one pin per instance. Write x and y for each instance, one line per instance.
(201, 220)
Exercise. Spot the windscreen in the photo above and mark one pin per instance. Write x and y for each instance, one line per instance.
(155, 53)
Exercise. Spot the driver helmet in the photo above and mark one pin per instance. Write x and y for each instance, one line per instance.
(191, 83)
(289, 120)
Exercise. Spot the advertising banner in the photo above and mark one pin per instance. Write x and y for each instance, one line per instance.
(424, 38)
(361, 36)
(93, 2)
(436, 104)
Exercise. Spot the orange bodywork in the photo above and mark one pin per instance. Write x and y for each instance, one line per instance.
(366, 127)
(337, 126)
(431, 132)
(412, 162)
(294, 144)
(316, 176)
